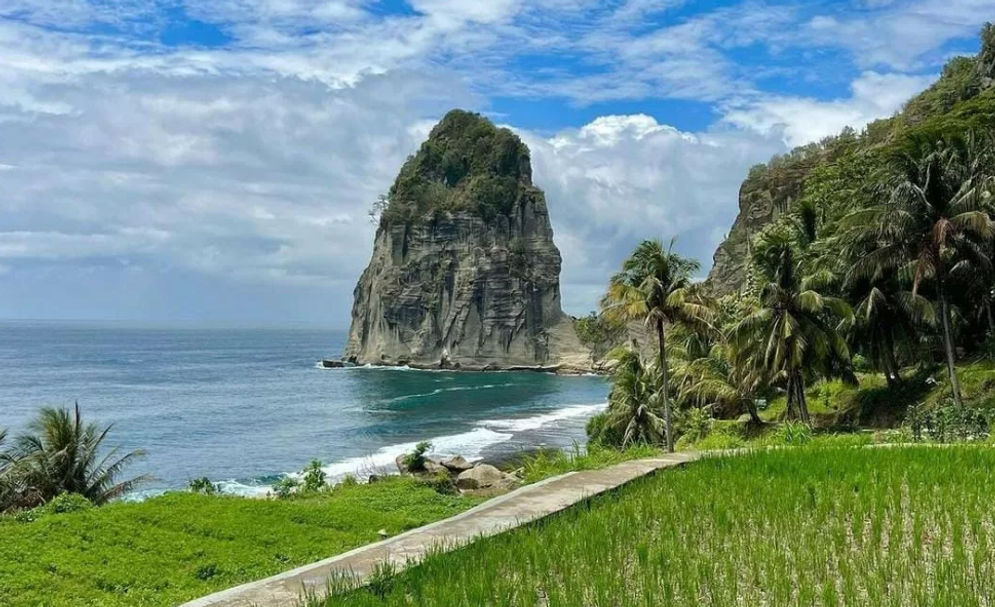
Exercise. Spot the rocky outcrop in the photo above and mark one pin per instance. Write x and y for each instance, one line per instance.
(464, 272)
(768, 191)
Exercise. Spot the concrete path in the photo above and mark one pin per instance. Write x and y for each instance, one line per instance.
(500, 514)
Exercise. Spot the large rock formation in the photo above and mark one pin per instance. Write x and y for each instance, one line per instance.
(768, 190)
(464, 272)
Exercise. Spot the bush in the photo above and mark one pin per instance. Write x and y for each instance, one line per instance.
(695, 423)
(60, 504)
(314, 477)
(284, 487)
(67, 502)
(720, 439)
(790, 433)
(949, 423)
(415, 461)
(204, 486)
(600, 432)
(441, 482)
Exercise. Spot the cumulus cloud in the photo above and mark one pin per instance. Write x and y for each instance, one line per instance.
(142, 179)
(620, 179)
(801, 120)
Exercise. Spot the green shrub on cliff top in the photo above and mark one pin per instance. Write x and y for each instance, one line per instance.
(467, 164)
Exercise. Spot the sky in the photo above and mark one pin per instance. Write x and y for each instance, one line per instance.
(214, 160)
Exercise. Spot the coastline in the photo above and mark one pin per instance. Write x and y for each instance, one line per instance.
(558, 369)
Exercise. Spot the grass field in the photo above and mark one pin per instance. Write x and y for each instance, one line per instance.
(180, 546)
(812, 526)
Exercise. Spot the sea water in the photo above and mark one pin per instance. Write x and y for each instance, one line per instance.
(244, 406)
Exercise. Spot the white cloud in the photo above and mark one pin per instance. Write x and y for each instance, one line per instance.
(129, 166)
(901, 33)
(802, 120)
(620, 179)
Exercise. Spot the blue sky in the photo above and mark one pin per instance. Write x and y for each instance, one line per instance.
(213, 160)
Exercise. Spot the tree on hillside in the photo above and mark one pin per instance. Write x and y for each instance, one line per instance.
(792, 331)
(655, 286)
(933, 224)
(61, 454)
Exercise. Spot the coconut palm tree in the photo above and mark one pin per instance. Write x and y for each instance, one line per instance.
(933, 223)
(654, 285)
(633, 412)
(885, 318)
(61, 454)
(725, 382)
(791, 332)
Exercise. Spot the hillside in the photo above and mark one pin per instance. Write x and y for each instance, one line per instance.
(829, 173)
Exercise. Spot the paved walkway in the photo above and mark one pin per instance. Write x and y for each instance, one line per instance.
(500, 514)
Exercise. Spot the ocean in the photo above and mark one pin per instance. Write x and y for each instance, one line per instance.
(245, 406)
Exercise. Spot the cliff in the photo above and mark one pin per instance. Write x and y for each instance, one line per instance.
(464, 272)
(961, 100)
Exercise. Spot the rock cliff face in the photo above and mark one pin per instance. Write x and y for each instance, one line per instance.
(767, 191)
(464, 272)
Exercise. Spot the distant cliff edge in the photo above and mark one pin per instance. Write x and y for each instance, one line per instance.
(464, 272)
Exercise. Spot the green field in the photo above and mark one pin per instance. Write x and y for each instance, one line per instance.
(811, 526)
(180, 546)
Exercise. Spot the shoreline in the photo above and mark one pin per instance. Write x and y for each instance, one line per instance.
(561, 370)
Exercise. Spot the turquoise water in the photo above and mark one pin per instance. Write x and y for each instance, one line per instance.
(244, 406)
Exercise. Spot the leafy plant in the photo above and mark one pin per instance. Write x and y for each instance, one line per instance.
(203, 485)
(949, 422)
(286, 486)
(415, 461)
(62, 454)
(314, 477)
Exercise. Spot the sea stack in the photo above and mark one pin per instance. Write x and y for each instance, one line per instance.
(464, 272)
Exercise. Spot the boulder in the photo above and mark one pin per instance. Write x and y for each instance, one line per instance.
(481, 476)
(456, 464)
(401, 466)
(434, 467)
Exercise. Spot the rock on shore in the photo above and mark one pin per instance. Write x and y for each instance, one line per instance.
(464, 272)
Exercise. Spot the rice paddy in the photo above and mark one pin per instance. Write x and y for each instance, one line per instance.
(810, 526)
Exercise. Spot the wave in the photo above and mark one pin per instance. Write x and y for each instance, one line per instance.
(470, 445)
(537, 421)
(438, 391)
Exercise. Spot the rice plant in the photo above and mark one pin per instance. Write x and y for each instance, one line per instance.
(810, 526)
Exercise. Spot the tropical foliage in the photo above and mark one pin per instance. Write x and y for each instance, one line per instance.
(878, 257)
(60, 454)
(654, 285)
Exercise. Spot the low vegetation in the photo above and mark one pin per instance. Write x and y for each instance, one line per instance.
(830, 526)
(61, 454)
(179, 546)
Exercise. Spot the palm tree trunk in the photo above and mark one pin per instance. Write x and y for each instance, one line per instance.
(991, 319)
(751, 408)
(948, 343)
(798, 386)
(665, 386)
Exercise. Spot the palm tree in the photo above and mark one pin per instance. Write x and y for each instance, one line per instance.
(655, 286)
(885, 317)
(933, 223)
(791, 331)
(61, 454)
(632, 411)
(725, 382)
